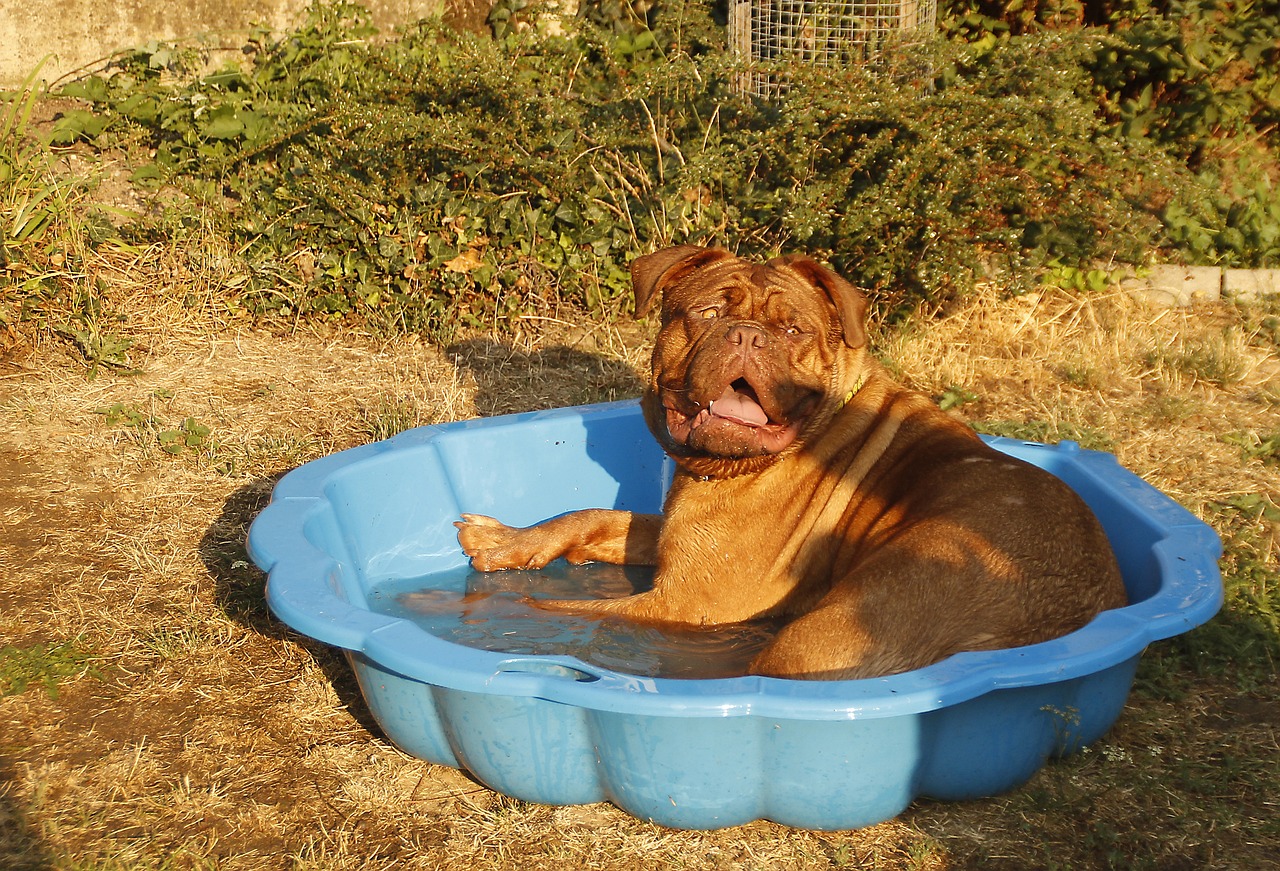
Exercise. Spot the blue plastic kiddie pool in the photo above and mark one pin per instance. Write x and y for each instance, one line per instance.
(704, 753)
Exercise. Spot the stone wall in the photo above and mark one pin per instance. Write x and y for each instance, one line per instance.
(78, 34)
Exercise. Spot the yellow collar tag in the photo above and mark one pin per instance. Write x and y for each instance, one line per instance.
(856, 387)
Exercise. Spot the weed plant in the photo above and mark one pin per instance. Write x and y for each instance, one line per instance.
(46, 233)
(442, 180)
(24, 212)
(44, 665)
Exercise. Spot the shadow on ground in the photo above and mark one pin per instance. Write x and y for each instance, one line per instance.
(20, 846)
(240, 590)
(510, 380)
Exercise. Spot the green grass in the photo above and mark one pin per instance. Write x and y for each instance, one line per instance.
(389, 416)
(43, 665)
(1216, 360)
(30, 200)
(1263, 447)
(47, 228)
(1049, 432)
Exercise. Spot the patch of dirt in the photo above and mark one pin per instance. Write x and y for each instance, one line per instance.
(41, 512)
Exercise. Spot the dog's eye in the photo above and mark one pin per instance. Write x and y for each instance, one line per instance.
(792, 330)
(708, 313)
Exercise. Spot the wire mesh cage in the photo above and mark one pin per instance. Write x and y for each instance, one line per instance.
(821, 32)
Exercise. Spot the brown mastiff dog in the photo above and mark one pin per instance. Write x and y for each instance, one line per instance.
(813, 488)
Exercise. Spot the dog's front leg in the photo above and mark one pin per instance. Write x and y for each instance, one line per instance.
(594, 535)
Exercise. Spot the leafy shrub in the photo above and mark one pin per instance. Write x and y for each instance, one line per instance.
(1197, 73)
(1200, 80)
(441, 180)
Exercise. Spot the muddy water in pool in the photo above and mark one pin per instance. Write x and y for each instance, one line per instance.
(492, 611)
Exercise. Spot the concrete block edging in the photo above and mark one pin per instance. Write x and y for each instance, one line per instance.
(1184, 285)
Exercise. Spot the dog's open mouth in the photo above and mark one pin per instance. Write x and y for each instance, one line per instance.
(735, 424)
(739, 404)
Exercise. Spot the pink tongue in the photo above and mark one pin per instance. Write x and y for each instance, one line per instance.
(739, 408)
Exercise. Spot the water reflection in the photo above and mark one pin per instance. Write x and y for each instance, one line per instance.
(492, 611)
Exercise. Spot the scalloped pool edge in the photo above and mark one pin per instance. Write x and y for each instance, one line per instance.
(714, 753)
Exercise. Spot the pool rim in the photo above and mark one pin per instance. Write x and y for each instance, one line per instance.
(301, 591)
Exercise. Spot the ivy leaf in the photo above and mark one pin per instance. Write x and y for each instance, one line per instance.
(466, 262)
(148, 173)
(224, 126)
(77, 124)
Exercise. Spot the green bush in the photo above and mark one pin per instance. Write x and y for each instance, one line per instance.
(1198, 79)
(441, 180)
(1203, 81)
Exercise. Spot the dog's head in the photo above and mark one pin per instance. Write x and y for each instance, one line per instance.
(750, 358)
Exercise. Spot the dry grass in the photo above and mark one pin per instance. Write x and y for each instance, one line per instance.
(1158, 384)
(202, 734)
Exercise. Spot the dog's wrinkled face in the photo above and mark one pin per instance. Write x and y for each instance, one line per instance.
(746, 355)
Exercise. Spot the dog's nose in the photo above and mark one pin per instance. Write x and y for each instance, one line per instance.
(747, 336)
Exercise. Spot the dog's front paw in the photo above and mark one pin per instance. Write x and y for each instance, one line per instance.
(492, 545)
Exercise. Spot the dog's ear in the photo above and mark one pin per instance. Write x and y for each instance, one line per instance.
(652, 272)
(849, 302)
